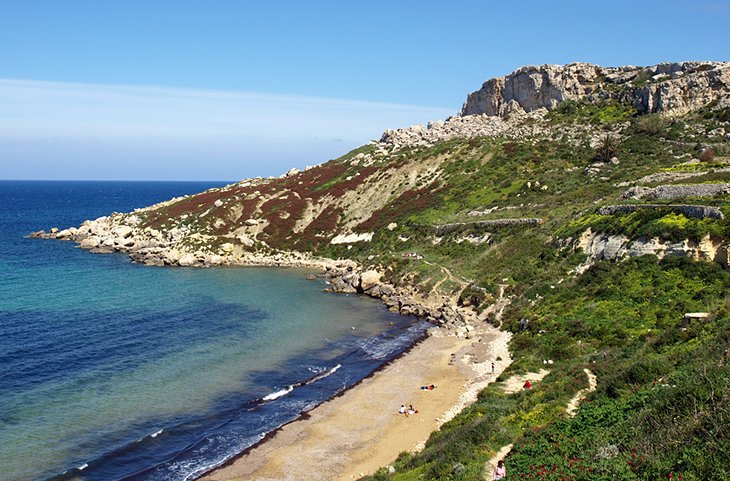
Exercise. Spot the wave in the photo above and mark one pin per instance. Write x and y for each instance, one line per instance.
(279, 393)
(323, 375)
(291, 387)
(192, 452)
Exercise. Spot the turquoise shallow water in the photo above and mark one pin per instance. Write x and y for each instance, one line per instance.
(110, 370)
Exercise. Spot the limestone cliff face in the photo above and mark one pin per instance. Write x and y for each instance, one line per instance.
(600, 246)
(671, 88)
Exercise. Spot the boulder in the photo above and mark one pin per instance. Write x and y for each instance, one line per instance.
(89, 243)
(369, 279)
(187, 260)
(64, 234)
(123, 231)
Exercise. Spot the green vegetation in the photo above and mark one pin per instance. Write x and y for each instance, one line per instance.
(597, 113)
(663, 397)
(660, 222)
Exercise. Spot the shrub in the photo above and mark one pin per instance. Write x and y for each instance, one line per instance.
(653, 124)
(606, 150)
(708, 155)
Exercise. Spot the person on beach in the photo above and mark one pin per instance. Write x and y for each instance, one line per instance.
(500, 472)
(492, 368)
(412, 410)
(403, 409)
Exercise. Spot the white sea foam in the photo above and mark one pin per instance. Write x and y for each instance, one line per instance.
(278, 394)
(83, 466)
(157, 433)
(325, 374)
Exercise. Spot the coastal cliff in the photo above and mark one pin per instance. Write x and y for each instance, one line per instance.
(583, 208)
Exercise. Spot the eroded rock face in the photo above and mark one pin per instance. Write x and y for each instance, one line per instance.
(672, 88)
(599, 246)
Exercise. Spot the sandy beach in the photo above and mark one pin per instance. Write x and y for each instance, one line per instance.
(356, 433)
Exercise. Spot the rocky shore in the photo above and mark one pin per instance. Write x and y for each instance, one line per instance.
(176, 247)
(119, 233)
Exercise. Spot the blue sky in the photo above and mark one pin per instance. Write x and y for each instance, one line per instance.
(231, 89)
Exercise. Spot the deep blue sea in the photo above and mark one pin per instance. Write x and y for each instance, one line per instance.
(114, 371)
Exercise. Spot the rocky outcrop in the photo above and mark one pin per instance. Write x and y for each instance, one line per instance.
(671, 88)
(514, 106)
(694, 211)
(672, 176)
(144, 245)
(519, 125)
(674, 191)
(351, 279)
(599, 246)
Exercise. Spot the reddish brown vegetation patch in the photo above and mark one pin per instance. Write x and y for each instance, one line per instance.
(409, 202)
(280, 224)
(320, 229)
(190, 205)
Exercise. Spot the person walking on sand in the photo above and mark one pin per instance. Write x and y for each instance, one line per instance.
(500, 472)
(492, 368)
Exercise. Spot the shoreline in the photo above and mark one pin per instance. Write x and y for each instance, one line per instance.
(306, 414)
(359, 430)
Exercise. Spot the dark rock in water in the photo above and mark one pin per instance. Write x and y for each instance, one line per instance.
(310, 277)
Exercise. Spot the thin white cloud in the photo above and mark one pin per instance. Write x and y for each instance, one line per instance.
(65, 130)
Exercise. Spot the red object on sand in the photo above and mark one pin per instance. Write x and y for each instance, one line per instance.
(527, 385)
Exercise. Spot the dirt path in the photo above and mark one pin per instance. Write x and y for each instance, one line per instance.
(572, 407)
(514, 384)
(492, 463)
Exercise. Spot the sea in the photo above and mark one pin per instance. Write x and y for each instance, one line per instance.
(110, 370)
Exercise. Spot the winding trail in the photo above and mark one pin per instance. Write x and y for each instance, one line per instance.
(514, 384)
(573, 404)
(492, 463)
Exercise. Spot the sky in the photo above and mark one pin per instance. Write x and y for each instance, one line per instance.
(226, 89)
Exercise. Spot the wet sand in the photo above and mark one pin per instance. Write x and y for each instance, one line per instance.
(356, 433)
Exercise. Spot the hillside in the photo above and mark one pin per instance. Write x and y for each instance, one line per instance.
(583, 208)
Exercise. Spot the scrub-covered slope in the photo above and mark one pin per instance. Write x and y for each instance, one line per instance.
(583, 208)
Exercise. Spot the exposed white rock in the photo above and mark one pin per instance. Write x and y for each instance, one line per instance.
(352, 238)
(672, 88)
(369, 279)
(122, 232)
(187, 260)
(599, 246)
